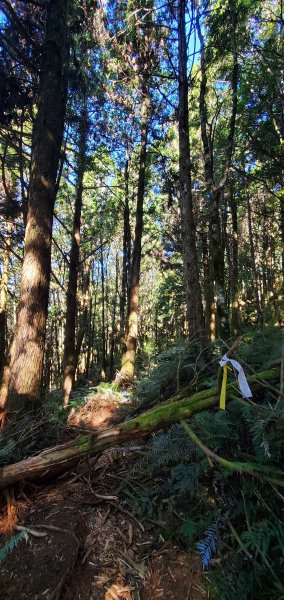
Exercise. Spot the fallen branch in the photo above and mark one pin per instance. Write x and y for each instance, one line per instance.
(65, 456)
(264, 472)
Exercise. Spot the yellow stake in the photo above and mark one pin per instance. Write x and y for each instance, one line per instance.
(222, 404)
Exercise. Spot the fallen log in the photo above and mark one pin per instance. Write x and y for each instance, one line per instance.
(60, 458)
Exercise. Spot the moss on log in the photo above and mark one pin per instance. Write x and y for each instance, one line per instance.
(62, 457)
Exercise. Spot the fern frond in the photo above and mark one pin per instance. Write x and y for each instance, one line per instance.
(184, 479)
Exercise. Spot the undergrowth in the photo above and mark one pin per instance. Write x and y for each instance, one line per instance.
(234, 520)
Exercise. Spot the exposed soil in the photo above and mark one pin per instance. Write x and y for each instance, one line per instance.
(100, 411)
(92, 547)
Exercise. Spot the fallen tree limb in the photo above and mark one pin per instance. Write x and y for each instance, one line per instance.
(264, 472)
(64, 456)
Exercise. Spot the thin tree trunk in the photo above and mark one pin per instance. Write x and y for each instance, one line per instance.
(126, 252)
(190, 262)
(27, 353)
(282, 232)
(3, 296)
(103, 337)
(214, 190)
(82, 321)
(70, 354)
(129, 355)
(113, 323)
(234, 271)
(21, 169)
(253, 266)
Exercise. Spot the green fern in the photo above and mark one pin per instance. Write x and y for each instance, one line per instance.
(191, 492)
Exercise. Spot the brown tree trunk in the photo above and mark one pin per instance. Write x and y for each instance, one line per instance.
(126, 252)
(208, 276)
(3, 296)
(70, 354)
(65, 456)
(129, 355)
(81, 355)
(234, 271)
(27, 353)
(190, 262)
(253, 266)
(103, 335)
(114, 327)
(282, 232)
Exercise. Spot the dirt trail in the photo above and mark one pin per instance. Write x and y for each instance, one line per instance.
(91, 546)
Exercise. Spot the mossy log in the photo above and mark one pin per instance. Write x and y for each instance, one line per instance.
(64, 456)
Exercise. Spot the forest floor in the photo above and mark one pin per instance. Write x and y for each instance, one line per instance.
(82, 540)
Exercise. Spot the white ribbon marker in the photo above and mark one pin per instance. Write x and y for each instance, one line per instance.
(242, 380)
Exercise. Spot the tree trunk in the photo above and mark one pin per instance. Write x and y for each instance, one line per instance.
(214, 190)
(253, 266)
(234, 272)
(209, 301)
(114, 328)
(103, 335)
(282, 233)
(129, 355)
(81, 355)
(3, 296)
(190, 262)
(27, 353)
(65, 456)
(126, 252)
(70, 354)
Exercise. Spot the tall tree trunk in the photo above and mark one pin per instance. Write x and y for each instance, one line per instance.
(190, 262)
(253, 266)
(282, 232)
(126, 252)
(114, 327)
(208, 278)
(129, 355)
(70, 354)
(3, 296)
(214, 190)
(234, 271)
(103, 336)
(27, 353)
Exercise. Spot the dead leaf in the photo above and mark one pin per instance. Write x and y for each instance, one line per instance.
(116, 592)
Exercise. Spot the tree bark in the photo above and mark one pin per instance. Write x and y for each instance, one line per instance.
(114, 328)
(65, 456)
(190, 263)
(103, 303)
(3, 296)
(255, 279)
(27, 353)
(70, 354)
(129, 355)
(234, 272)
(126, 253)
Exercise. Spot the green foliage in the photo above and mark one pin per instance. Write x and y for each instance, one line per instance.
(263, 348)
(217, 510)
(108, 388)
(174, 368)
